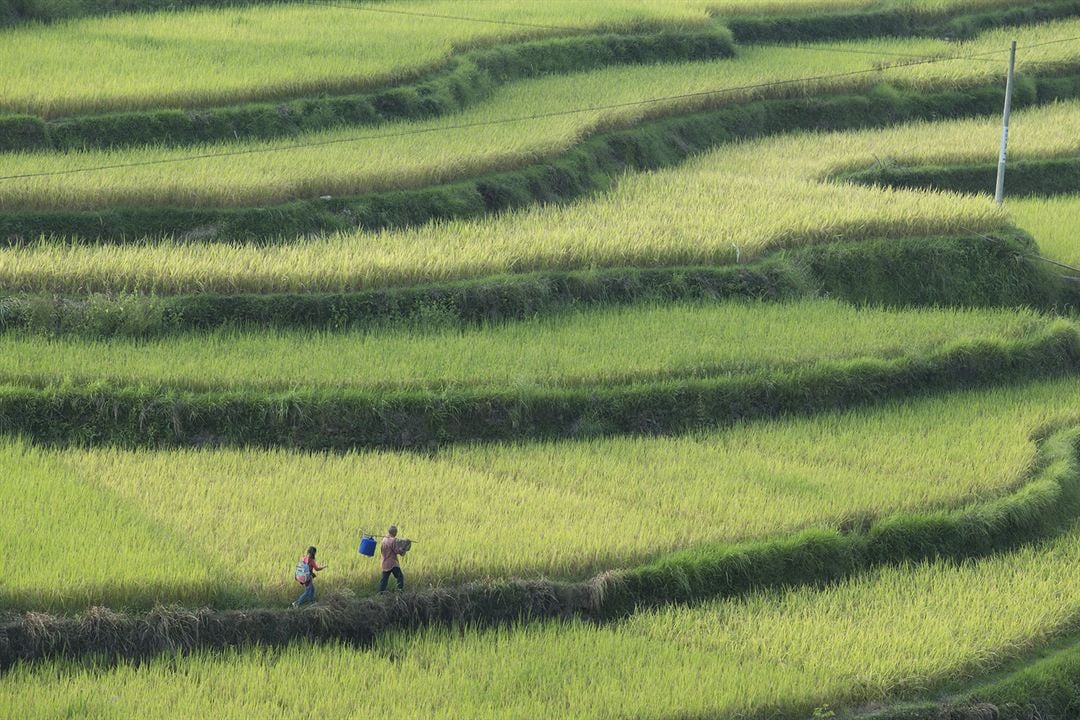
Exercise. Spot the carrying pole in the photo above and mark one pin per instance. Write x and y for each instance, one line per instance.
(999, 193)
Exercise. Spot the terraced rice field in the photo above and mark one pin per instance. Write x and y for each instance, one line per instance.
(418, 154)
(636, 344)
(235, 54)
(890, 635)
(658, 393)
(738, 201)
(1055, 223)
(624, 500)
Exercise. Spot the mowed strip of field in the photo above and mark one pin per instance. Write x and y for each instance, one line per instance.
(611, 346)
(273, 51)
(893, 634)
(130, 528)
(412, 154)
(737, 202)
(1054, 223)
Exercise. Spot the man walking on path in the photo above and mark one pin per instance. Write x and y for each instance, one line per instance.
(390, 564)
(305, 575)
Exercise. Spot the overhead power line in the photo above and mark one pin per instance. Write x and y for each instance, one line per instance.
(1054, 262)
(1033, 256)
(514, 119)
(438, 16)
(1047, 42)
(882, 53)
(578, 29)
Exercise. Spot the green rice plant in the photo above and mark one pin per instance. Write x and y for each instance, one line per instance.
(467, 79)
(55, 503)
(411, 154)
(561, 509)
(1055, 224)
(1043, 509)
(1045, 685)
(285, 50)
(891, 635)
(737, 202)
(15, 11)
(274, 51)
(1033, 178)
(613, 346)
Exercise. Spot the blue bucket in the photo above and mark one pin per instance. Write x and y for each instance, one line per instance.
(367, 546)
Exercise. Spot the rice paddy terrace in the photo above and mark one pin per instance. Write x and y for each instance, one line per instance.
(685, 339)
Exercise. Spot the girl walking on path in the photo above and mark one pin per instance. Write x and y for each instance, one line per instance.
(305, 575)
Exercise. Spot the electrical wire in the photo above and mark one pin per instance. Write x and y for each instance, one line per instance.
(498, 121)
(880, 54)
(1054, 262)
(1049, 42)
(437, 16)
(1033, 256)
(579, 29)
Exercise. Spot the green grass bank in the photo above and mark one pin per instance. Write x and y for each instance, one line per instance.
(1041, 509)
(148, 416)
(958, 272)
(1024, 178)
(590, 167)
(467, 79)
(469, 76)
(955, 23)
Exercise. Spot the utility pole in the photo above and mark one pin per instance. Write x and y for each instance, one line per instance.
(999, 193)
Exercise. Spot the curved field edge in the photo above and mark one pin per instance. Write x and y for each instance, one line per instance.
(1050, 177)
(601, 347)
(954, 23)
(1054, 220)
(969, 272)
(465, 80)
(469, 77)
(1041, 687)
(1048, 688)
(18, 12)
(779, 24)
(1041, 509)
(593, 165)
(324, 420)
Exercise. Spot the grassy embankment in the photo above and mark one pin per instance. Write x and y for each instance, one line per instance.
(21, 11)
(775, 199)
(318, 418)
(418, 160)
(973, 271)
(334, 49)
(467, 76)
(162, 512)
(275, 51)
(1041, 195)
(604, 347)
(892, 634)
(1055, 223)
